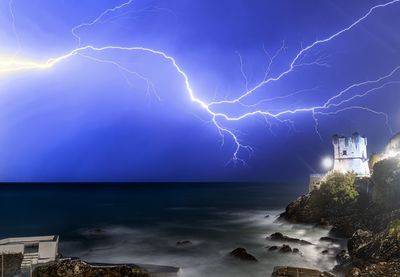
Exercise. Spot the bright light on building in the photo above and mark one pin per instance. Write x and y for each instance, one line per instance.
(327, 163)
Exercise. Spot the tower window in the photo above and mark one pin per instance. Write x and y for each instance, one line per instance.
(344, 153)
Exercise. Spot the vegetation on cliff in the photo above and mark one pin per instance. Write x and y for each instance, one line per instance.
(394, 229)
(386, 177)
(338, 191)
(337, 196)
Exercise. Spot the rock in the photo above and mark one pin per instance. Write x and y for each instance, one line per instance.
(324, 252)
(327, 274)
(277, 236)
(296, 250)
(375, 269)
(184, 243)
(302, 210)
(324, 222)
(366, 245)
(78, 268)
(328, 239)
(285, 249)
(241, 254)
(355, 272)
(287, 271)
(267, 216)
(273, 248)
(280, 237)
(345, 221)
(343, 257)
(362, 245)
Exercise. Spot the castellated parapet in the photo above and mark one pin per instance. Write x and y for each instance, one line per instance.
(350, 154)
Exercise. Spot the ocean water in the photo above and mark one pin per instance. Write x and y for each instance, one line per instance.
(126, 223)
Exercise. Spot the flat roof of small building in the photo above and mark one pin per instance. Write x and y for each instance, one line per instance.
(20, 240)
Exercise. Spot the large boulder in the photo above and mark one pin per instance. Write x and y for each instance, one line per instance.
(285, 249)
(242, 255)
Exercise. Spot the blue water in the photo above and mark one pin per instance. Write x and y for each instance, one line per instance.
(125, 223)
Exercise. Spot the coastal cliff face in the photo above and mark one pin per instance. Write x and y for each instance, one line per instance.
(372, 224)
(78, 268)
(374, 236)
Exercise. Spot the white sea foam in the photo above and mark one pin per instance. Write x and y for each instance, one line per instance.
(212, 239)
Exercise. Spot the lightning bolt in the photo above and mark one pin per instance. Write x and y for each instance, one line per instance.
(14, 28)
(97, 20)
(218, 119)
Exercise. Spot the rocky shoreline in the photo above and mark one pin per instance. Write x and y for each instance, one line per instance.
(79, 268)
(372, 234)
(365, 211)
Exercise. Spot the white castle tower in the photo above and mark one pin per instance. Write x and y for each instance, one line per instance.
(350, 154)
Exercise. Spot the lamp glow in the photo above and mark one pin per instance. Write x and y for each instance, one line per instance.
(327, 163)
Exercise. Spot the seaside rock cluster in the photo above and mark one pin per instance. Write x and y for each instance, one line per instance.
(284, 249)
(78, 268)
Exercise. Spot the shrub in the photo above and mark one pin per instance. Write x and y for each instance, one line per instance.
(337, 193)
(386, 178)
(394, 229)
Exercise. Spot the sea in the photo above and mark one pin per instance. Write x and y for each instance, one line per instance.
(142, 223)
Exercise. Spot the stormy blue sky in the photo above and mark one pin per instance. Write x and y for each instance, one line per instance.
(87, 121)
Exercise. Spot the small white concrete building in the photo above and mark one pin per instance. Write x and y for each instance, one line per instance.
(350, 154)
(35, 250)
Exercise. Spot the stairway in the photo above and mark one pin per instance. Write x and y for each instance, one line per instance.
(29, 260)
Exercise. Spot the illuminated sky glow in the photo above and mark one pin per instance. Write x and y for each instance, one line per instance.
(230, 114)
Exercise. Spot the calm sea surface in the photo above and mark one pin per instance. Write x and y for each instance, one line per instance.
(123, 223)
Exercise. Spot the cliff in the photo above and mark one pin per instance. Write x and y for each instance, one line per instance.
(371, 222)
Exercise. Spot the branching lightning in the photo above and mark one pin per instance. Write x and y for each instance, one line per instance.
(332, 106)
(96, 20)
